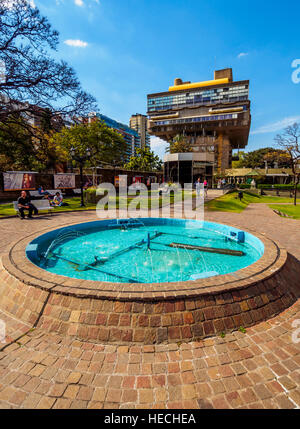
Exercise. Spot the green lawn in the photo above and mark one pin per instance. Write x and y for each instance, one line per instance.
(228, 203)
(290, 210)
(74, 205)
(231, 203)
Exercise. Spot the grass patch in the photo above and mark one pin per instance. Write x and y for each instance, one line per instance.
(290, 210)
(231, 203)
(7, 210)
(74, 204)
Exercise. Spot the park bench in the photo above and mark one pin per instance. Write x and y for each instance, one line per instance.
(41, 205)
(36, 195)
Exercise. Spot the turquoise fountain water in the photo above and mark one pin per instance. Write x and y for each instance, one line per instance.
(140, 251)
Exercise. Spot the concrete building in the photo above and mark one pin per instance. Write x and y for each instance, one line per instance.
(214, 116)
(138, 123)
(131, 137)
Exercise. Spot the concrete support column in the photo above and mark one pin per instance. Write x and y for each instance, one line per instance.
(224, 150)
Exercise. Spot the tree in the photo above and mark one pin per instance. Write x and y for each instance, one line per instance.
(180, 144)
(16, 148)
(289, 141)
(238, 162)
(278, 157)
(30, 80)
(144, 160)
(257, 158)
(106, 144)
(34, 150)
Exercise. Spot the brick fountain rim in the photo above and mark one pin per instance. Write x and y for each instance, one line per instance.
(16, 262)
(146, 313)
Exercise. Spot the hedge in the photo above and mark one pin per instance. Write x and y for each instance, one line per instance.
(280, 187)
(244, 186)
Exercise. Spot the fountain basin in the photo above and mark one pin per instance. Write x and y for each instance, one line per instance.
(145, 250)
(152, 312)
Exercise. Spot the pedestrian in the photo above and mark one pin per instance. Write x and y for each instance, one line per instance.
(198, 185)
(205, 184)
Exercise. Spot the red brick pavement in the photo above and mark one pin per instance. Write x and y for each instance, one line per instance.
(256, 369)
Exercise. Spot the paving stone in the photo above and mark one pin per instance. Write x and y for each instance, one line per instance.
(287, 382)
(259, 369)
(85, 393)
(262, 392)
(58, 389)
(284, 402)
(71, 391)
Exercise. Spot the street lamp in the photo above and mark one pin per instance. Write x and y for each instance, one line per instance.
(80, 160)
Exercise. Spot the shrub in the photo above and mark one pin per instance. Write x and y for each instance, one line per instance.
(90, 195)
(290, 186)
(244, 186)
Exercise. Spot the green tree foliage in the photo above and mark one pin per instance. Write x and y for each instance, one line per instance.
(144, 160)
(106, 144)
(257, 158)
(16, 148)
(180, 144)
(278, 157)
(238, 163)
(29, 148)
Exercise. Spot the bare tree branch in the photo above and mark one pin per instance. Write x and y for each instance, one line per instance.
(32, 77)
(289, 141)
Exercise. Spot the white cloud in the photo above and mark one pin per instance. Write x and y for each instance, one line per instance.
(158, 146)
(242, 54)
(276, 126)
(79, 2)
(76, 43)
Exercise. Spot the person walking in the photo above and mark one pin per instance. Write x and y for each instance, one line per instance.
(25, 204)
(205, 184)
(198, 185)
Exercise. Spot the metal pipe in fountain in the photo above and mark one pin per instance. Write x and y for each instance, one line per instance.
(148, 241)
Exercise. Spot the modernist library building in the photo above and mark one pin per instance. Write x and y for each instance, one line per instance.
(213, 115)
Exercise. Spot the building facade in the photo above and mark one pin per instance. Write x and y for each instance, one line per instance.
(214, 116)
(138, 123)
(131, 137)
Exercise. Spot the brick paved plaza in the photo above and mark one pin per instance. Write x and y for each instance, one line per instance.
(255, 369)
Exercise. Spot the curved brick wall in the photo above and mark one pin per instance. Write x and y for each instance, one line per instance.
(145, 314)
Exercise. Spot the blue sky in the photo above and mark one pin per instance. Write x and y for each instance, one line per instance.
(124, 49)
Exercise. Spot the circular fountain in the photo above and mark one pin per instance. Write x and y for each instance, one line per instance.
(145, 250)
(146, 280)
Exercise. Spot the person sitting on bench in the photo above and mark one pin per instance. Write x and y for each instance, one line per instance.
(25, 204)
(42, 192)
(57, 200)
